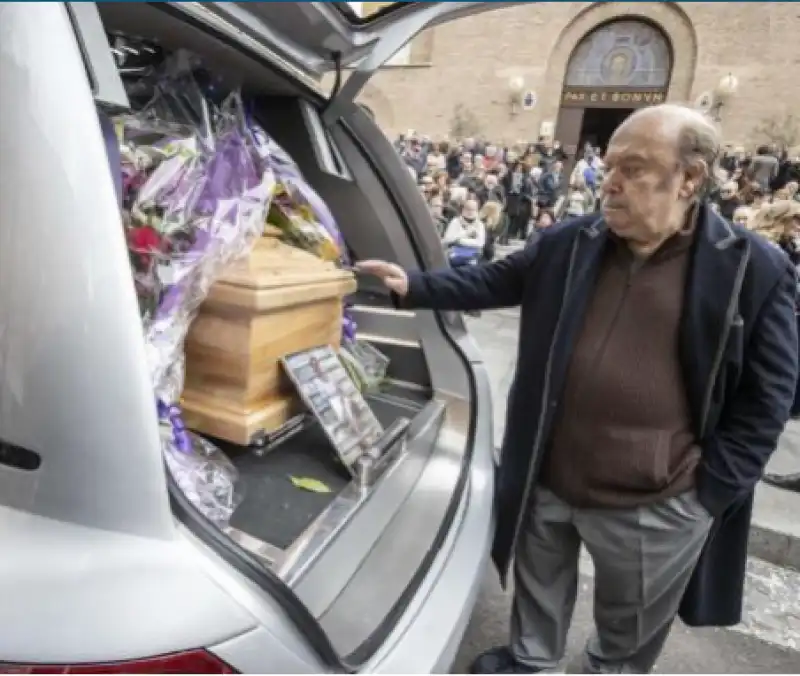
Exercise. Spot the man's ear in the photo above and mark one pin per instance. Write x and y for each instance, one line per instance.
(694, 178)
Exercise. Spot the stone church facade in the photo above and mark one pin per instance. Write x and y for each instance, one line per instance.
(543, 67)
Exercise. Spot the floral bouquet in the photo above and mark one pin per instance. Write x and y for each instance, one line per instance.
(194, 200)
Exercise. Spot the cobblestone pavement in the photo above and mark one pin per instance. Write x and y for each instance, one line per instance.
(768, 639)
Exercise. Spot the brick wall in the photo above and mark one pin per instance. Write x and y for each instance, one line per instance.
(471, 61)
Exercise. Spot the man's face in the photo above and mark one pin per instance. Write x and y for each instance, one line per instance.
(740, 217)
(491, 181)
(466, 161)
(469, 211)
(544, 220)
(427, 184)
(644, 185)
(728, 192)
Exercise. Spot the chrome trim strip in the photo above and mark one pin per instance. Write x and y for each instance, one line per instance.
(375, 310)
(372, 338)
(339, 515)
(272, 555)
(404, 384)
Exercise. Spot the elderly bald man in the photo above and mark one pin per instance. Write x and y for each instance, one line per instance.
(656, 368)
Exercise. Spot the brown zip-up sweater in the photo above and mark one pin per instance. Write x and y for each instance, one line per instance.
(624, 435)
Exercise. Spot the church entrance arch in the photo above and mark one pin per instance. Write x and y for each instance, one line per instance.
(617, 67)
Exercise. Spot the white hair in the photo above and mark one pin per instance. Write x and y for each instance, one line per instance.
(698, 138)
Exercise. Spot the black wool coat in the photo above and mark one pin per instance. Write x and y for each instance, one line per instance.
(739, 354)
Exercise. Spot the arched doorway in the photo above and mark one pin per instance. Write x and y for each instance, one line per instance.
(616, 68)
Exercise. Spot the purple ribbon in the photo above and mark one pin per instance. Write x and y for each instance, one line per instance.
(180, 435)
(349, 326)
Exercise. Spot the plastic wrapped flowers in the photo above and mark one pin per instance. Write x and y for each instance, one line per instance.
(196, 195)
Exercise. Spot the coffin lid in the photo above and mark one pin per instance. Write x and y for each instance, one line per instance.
(273, 264)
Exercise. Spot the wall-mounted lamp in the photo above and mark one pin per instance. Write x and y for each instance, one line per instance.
(725, 90)
(516, 92)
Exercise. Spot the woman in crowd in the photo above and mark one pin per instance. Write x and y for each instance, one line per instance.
(580, 200)
(465, 236)
(437, 158)
(491, 215)
(519, 191)
(436, 204)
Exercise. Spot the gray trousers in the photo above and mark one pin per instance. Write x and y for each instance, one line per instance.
(643, 559)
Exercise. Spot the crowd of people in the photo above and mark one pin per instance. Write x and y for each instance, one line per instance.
(761, 192)
(481, 193)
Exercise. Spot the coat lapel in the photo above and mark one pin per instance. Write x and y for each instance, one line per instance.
(710, 305)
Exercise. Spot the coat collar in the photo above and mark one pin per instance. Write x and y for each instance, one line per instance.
(712, 229)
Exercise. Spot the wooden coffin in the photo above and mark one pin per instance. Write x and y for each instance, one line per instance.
(277, 301)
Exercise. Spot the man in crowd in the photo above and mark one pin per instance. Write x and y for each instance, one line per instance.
(550, 185)
(654, 378)
(491, 190)
(764, 167)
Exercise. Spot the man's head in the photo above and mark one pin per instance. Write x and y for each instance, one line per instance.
(728, 190)
(657, 166)
(426, 184)
(544, 219)
(490, 181)
(458, 195)
(466, 161)
(742, 216)
(469, 212)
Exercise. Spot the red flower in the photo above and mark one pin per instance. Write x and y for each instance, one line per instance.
(144, 240)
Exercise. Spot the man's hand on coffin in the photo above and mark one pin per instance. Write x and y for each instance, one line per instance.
(393, 276)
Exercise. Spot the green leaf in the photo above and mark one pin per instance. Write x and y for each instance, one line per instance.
(313, 485)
